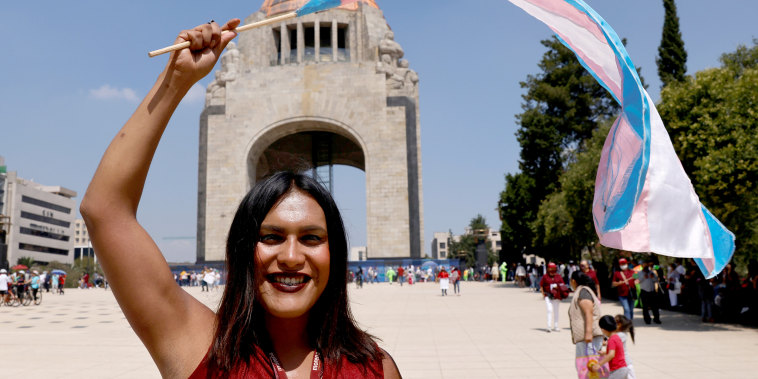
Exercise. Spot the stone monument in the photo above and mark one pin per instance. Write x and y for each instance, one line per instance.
(327, 88)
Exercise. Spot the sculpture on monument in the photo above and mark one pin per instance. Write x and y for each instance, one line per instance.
(229, 66)
(396, 70)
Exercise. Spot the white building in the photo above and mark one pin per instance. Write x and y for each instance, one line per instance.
(82, 243)
(39, 219)
(441, 242)
(441, 245)
(357, 253)
(493, 238)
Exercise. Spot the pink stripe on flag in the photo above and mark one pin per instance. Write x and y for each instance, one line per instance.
(565, 10)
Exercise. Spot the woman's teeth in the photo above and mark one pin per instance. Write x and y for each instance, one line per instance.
(290, 281)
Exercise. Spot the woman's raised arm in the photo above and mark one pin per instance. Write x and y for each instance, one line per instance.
(175, 328)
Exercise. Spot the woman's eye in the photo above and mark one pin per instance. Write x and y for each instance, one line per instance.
(270, 238)
(311, 238)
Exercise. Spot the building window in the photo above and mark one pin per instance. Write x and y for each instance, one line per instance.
(309, 43)
(43, 234)
(278, 42)
(343, 53)
(45, 204)
(325, 43)
(49, 220)
(42, 249)
(442, 245)
(292, 32)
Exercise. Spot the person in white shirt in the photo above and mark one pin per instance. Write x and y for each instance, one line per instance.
(209, 278)
(5, 281)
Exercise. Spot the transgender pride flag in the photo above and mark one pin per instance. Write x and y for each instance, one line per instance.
(314, 6)
(644, 201)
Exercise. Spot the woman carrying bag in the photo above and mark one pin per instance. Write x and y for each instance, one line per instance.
(584, 315)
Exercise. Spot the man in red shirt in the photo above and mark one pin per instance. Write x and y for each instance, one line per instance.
(400, 274)
(624, 282)
(550, 281)
(585, 267)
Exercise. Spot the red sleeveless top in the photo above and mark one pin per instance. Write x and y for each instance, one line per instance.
(260, 366)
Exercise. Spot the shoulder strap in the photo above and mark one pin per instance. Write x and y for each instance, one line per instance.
(626, 281)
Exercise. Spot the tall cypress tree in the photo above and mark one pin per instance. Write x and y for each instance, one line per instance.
(672, 57)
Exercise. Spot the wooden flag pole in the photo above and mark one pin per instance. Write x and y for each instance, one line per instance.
(243, 28)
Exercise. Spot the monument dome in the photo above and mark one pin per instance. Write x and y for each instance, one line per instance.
(275, 7)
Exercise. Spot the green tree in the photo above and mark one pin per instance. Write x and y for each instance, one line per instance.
(26, 261)
(464, 249)
(712, 119)
(562, 106)
(478, 223)
(516, 212)
(672, 57)
(564, 225)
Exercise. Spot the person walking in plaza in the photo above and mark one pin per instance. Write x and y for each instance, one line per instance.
(455, 277)
(20, 284)
(584, 265)
(584, 314)
(550, 287)
(614, 354)
(5, 283)
(34, 284)
(649, 286)
(674, 285)
(625, 331)
(285, 308)
(61, 283)
(503, 271)
(208, 280)
(521, 275)
(390, 275)
(534, 273)
(495, 271)
(625, 284)
(444, 281)
(359, 277)
(400, 275)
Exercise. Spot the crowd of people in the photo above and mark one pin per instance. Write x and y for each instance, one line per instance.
(18, 281)
(208, 279)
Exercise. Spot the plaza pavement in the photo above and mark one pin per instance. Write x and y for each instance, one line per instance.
(491, 331)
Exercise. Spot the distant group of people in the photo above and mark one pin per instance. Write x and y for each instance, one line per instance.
(411, 274)
(17, 282)
(208, 279)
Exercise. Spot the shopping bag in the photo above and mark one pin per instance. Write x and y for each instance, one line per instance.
(582, 365)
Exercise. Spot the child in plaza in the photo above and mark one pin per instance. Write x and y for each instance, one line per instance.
(625, 330)
(614, 354)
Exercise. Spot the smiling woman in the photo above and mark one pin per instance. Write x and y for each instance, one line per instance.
(284, 311)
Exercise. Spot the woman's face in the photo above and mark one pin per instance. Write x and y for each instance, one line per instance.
(292, 256)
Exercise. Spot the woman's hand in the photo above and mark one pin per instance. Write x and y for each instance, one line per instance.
(207, 42)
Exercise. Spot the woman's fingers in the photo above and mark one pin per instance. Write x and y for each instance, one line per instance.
(206, 31)
(215, 34)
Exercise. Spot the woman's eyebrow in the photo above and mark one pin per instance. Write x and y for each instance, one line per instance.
(272, 228)
(308, 228)
(313, 228)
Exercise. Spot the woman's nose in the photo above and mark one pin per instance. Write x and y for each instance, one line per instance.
(291, 256)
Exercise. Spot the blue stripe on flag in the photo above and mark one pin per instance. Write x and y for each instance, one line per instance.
(314, 6)
(723, 245)
(637, 112)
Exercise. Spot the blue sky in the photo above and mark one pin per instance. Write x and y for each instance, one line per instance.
(74, 71)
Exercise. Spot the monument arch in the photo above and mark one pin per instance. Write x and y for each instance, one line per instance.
(329, 88)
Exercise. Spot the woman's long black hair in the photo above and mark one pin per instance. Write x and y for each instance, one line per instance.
(240, 327)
